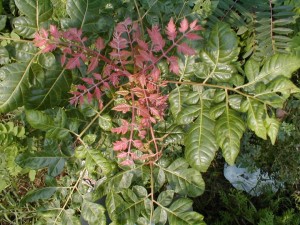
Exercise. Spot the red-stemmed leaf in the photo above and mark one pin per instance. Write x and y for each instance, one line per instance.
(100, 44)
(174, 67)
(193, 36)
(121, 145)
(184, 25)
(93, 64)
(156, 38)
(171, 30)
(138, 144)
(123, 129)
(185, 49)
(88, 80)
(124, 108)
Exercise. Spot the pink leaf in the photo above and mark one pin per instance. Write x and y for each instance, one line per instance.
(122, 155)
(155, 73)
(97, 93)
(97, 76)
(138, 144)
(184, 25)
(142, 79)
(100, 44)
(193, 36)
(127, 162)
(194, 26)
(88, 80)
(122, 108)
(122, 129)
(156, 38)
(185, 49)
(53, 31)
(93, 64)
(89, 97)
(142, 44)
(171, 30)
(120, 145)
(173, 60)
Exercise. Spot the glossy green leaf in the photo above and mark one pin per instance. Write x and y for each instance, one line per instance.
(36, 10)
(166, 197)
(105, 122)
(270, 94)
(83, 14)
(184, 180)
(200, 143)
(113, 204)
(255, 118)
(186, 66)
(57, 83)
(13, 86)
(220, 51)
(140, 191)
(44, 122)
(94, 158)
(47, 60)
(176, 99)
(42, 193)
(160, 216)
(277, 65)
(24, 27)
(4, 56)
(69, 217)
(93, 213)
(25, 52)
(188, 114)
(3, 19)
(175, 135)
(180, 213)
(38, 160)
(159, 178)
(229, 130)
(252, 69)
(272, 125)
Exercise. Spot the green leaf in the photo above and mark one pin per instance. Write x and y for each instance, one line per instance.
(159, 178)
(105, 122)
(180, 213)
(94, 158)
(200, 143)
(47, 60)
(93, 213)
(188, 114)
(160, 216)
(24, 27)
(13, 86)
(220, 51)
(36, 10)
(272, 125)
(175, 135)
(42, 121)
(176, 99)
(252, 69)
(184, 180)
(113, 203)
(229, 130)
(42, 193)
(4, 56)
(277, 65)
(255, 118)
(166, 197)
(280, 85)
(83, 14)
(69, 217)
(39, 160)
(3, 19)
(25, 52)
(57, 83)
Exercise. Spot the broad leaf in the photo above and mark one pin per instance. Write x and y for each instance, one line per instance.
(180, 213)
(93, 213)
(36, 10)
(188, 114)
(165, 198)
(200, 143)
(44, 122)
(277, 65)
(229, 130)
(184, 180)
(39, 160)
(57, 83)
(176, 99)
(220, 51)
(105, 122)
(94, 158)
(255, 118)
(160, 216)
(84, 14)
(43, 193)
(13, 86)
(272, 124)
(24, 27)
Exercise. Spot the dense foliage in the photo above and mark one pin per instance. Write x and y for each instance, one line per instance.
(112, 111)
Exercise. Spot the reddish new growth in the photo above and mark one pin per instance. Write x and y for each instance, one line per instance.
(134, 59)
